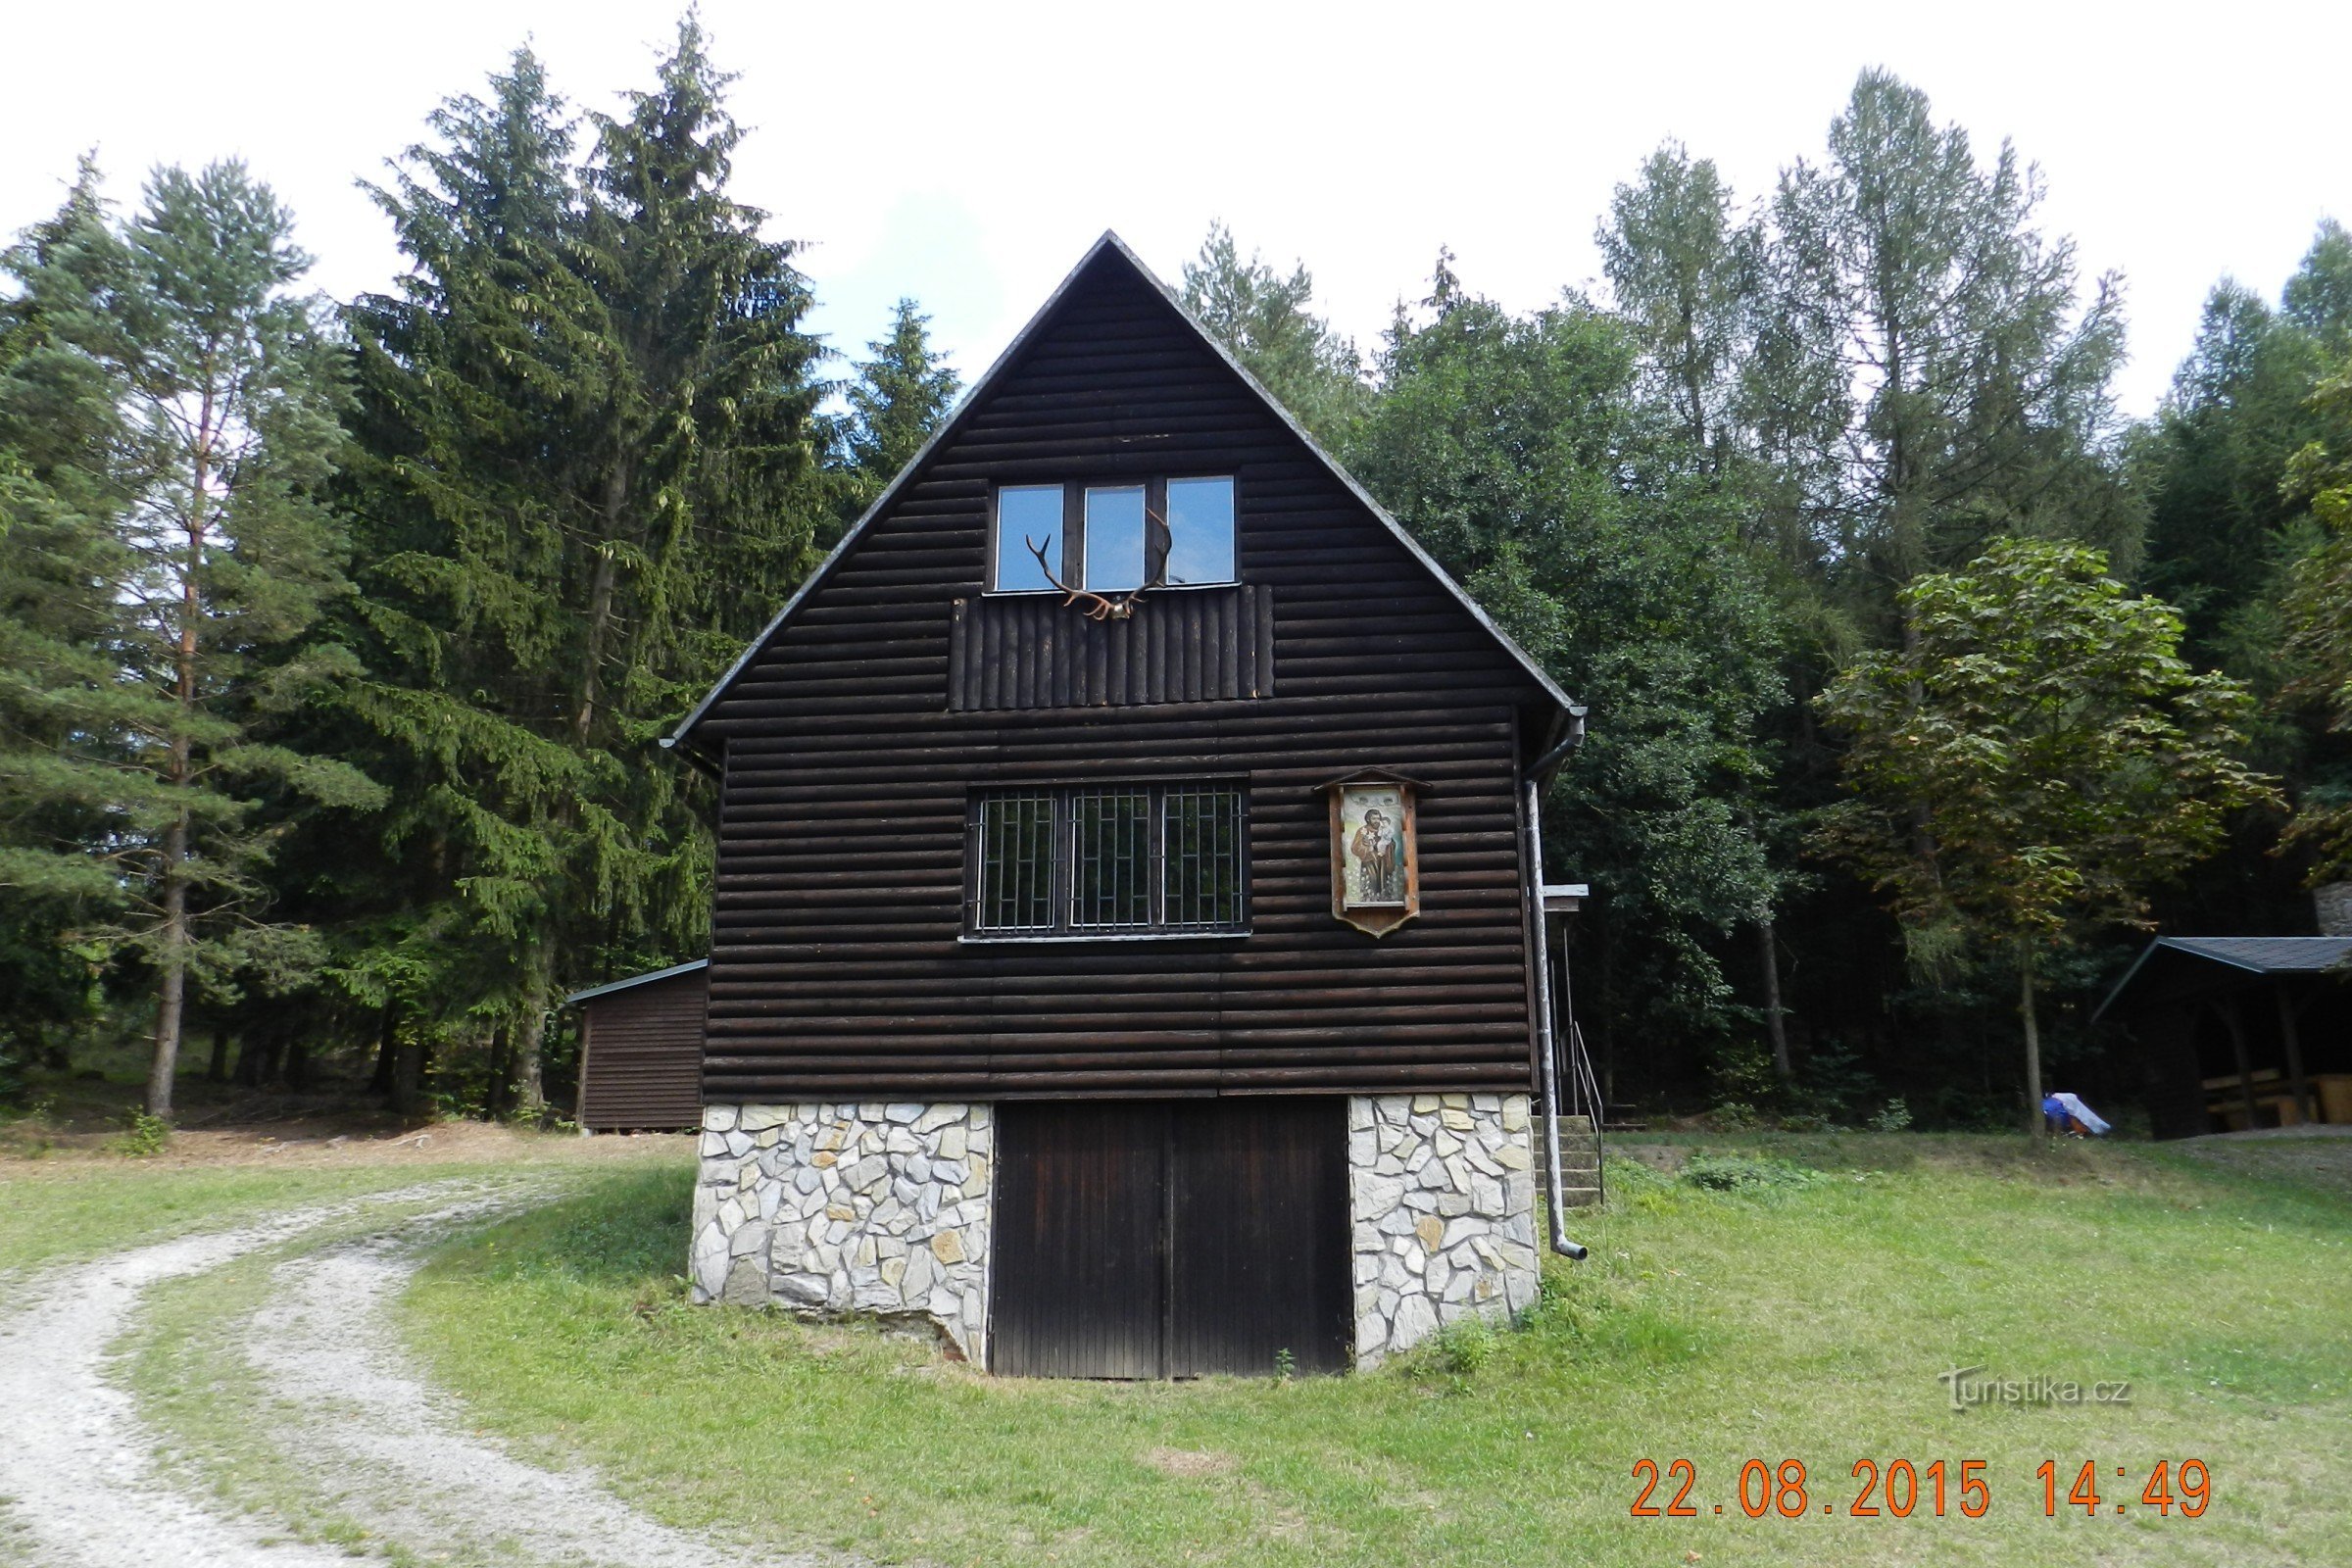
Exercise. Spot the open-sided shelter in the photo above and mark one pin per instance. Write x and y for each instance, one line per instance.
(2240, 1032)
(1127, 945)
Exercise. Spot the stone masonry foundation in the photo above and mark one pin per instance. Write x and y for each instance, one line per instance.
(1443, 1209)
(836, 1209)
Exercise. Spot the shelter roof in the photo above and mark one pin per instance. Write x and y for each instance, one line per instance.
(2237, 957)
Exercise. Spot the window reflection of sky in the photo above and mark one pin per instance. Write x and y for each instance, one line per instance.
(1114, 539)
(1201, 530)
(1024, 513)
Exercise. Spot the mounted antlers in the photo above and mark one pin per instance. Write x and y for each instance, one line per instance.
(1103, 607)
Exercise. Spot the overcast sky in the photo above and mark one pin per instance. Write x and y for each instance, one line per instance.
(966, 154)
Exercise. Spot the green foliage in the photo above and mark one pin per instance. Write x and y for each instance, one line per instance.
(176, 405)
(1937, 384)
(588, 475)
(1520, 451)
(1262, 320)
(1467, 1345)
(1893, 1117)
(2318, 610)
(143, 1135)
(2039, 753)
(899, 398)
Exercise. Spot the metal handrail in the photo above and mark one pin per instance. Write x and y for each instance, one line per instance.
(1587, 1090)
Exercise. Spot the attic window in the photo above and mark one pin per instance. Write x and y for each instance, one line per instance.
(1113, 537)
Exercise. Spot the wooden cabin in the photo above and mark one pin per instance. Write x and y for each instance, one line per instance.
(1126, 951)
(641, 1052)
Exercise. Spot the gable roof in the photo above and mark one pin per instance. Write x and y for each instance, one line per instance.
(1112, 246)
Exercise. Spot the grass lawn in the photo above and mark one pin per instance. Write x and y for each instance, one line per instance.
(1803, 1321)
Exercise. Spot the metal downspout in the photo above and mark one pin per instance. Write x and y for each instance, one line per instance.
(1554, 1194)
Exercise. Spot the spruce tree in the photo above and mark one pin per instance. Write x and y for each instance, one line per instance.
(1262, 319)
(60, 550)
(899, 398)
(590, 478)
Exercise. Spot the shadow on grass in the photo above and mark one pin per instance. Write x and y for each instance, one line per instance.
(625, 1228)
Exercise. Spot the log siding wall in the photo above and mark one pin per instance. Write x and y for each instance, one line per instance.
(838, 964)
(641, 1056)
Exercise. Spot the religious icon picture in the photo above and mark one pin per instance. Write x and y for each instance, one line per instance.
(1376, 884)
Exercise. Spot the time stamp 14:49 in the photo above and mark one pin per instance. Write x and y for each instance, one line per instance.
(1900, 1488)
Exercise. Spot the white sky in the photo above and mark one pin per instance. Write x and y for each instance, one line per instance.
(966, 154)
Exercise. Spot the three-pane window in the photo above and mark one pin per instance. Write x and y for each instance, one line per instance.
(1136, 859)
(1113, 538)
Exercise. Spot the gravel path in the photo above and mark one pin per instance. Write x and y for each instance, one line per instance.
(83, 1488)
(322, 1344)
(74, 1459)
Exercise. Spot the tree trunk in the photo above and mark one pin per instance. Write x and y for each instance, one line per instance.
(530, 1034)
(387, 1049)
(498, 1073)
(600, 604)
(407, 1074)
(216, 1071)
(1768, 943)
(172, 993)
(2034, 1122)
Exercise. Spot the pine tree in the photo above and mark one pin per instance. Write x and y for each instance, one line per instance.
(217, 393)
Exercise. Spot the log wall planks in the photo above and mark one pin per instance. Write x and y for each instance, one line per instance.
(641, 1052)
(838, 964)
(1188, 644)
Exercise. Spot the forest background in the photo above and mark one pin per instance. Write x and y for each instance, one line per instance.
(335, 636)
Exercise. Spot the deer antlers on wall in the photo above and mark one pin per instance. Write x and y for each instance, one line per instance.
(1102, 607)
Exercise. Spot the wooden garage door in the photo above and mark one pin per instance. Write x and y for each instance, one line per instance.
(1171, 1237)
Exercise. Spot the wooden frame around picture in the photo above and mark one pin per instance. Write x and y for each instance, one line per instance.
(1375, 850)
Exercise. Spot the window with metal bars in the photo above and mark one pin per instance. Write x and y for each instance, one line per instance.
(1107, 860)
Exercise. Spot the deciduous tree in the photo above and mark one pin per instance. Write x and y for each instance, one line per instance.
(2042, 728)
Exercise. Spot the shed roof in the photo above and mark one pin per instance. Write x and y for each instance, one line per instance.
(2257, 957)
(646, 979)
(1568, 711)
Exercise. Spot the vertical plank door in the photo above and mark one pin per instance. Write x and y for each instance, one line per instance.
(1259, 1245)
(1079, 1277)
(1171, 1238)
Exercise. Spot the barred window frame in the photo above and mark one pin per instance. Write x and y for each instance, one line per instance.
(1121, 861)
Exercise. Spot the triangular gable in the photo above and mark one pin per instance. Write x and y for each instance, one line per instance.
(977, 395)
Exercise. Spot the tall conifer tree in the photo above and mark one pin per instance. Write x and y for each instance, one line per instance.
(213, 397)
(589, 423)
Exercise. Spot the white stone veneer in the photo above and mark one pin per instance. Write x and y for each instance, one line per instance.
(828, 1209)
(1444, 1212)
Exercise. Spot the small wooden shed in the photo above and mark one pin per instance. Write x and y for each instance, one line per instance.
(641, 1050)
